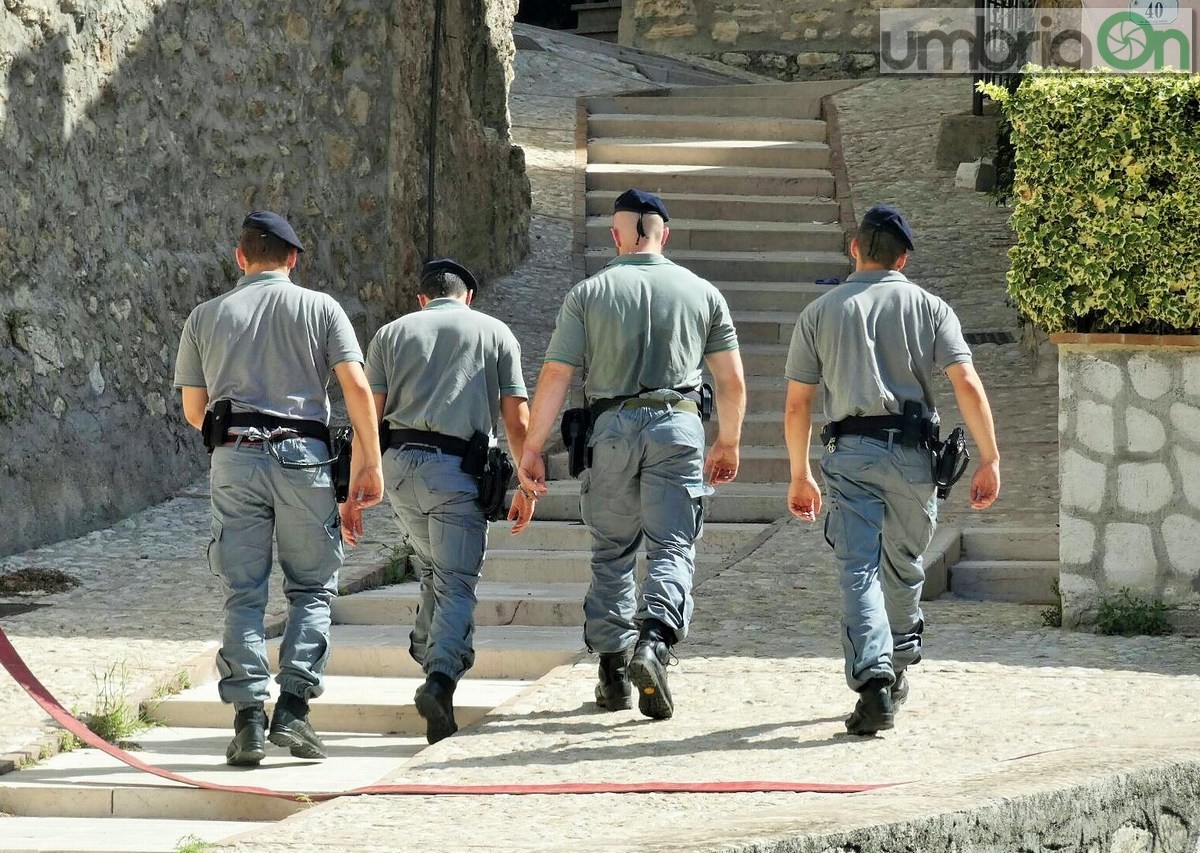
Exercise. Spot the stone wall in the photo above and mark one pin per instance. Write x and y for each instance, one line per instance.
(787, 39)
(1129, 439)
(135, 135)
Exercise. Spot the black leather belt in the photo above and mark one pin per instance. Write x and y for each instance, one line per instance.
(268, 423)
(689, 403)
(451, 444)
(882, 428)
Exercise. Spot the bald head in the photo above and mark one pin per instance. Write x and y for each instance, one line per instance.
(625, 236)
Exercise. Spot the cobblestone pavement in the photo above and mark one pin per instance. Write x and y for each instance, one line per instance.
(1001, 707)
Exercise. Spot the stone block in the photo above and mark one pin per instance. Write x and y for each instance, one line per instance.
(1149, 377)
(1129, 559)
(1187, 464)
(1181, 534)
(978, 175)
(1080, 598)
(645, 9)
(726, 32)
(1186, 419)
(737, 60)
(1083, 482)
(1102, 378)
(1144, 487)
(670, 31)
(812, 59)
(1076, 541)
(1094, 426)
(961, 138)
(1191, 376)
(1144, 431)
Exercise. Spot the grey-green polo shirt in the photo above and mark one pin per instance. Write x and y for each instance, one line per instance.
(642, 322)
(874, 341)
(268, 345)
(444, 369)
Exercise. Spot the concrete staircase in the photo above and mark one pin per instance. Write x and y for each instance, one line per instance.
(1013, 564)
(529, 618)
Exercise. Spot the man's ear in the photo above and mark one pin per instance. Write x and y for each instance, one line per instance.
(292, 259)
(854, 249)
(470, 295)
(241, 258)
(422, 299)
(666, 236)
(901, 261)
(616, 238)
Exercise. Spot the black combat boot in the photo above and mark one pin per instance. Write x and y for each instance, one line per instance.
(435, 702)
(249, 744)
(648, 670)
(899, 691)
(614, 692)
(874, 711)
(291, 730)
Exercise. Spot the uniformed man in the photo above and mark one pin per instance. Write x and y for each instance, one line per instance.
(441, 377)
(256, 361)
(872, 342)
(640, 330)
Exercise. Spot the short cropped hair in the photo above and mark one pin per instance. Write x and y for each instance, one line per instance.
(880, 245)
(259, 247)
(440, 284)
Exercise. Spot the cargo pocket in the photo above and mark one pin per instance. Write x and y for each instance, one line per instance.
(832, 525)
(699, 494)
(212, 543)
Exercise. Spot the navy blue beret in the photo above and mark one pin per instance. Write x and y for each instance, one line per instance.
(638, 201)
(887, 218)
(275, 225)
(454, 267)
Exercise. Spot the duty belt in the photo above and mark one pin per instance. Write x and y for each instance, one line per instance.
(450, 444)
(882, 428)
(690, 403)
(269, 423)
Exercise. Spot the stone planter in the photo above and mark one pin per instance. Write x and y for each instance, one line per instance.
(1129, 468)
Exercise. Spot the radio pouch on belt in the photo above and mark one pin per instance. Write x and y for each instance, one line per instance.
(341, 440)
(912, 431)
(950, 460)
(385, 437)
(216, 424)
(576, 432)
(706, 402)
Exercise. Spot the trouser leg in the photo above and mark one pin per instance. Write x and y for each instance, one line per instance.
(400, 480)
(610, 504)
(852, 526)
(308, 533)
(672, 505)
(240, 554)
(909, 519)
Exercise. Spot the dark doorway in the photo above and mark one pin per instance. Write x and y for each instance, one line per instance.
(553, 14)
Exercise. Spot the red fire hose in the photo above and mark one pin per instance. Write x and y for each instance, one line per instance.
(16, 667)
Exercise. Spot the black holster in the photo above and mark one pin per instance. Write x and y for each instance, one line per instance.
(950, 458)
(576, 433)
(341, 440)
(216, 424)
(493, 470)
(706, 402)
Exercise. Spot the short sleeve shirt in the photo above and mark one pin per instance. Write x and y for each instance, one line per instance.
(873, 342)
(444, 369)
(268, 346)
(641, 323)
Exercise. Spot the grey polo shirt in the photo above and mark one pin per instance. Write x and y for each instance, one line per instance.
(268, 345)
(642, 322)
(873, 341)
(444, 369)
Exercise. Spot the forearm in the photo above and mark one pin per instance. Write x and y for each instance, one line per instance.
(731, 409)
(515, 413)
(797, 432)
(360, 405)
(976, 411)
(552, 386)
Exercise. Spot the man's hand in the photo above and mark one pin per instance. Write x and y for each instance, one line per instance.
(721, 466)
(366, 486)
(521, 511)
(532, 473)
(985, 485)
(804, 498)
(352, 523)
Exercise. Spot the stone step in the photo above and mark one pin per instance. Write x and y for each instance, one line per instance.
(729, 180)
(736, 206)
(598, 19)
(766, 295)
(735, 502)
(1018, 581)
(765, 429)
(499, 603)
(732, 104)
(555, 567)
(86, 783)
(1010, 543)
(115, 835)
(748, 266)
(619, 125)
(764, 359)
(573, 536)
(729, 235)
(381, 651)
(349, 703)
(765, 327)
(710, 152)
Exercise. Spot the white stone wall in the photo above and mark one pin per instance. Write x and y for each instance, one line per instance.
(1129, 464)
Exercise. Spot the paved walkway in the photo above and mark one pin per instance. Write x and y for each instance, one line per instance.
(1002, 708)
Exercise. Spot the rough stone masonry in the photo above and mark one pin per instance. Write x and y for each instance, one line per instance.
(135, 134)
